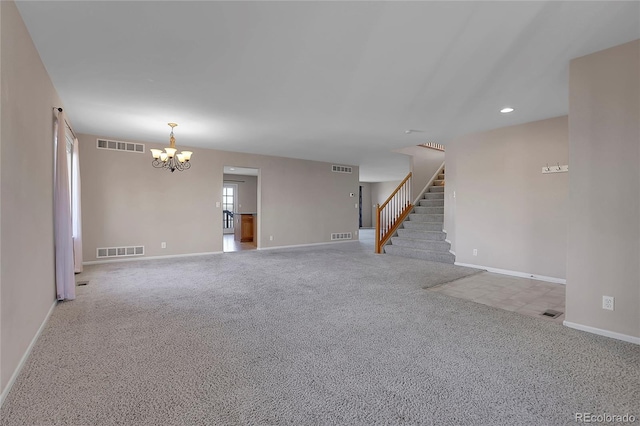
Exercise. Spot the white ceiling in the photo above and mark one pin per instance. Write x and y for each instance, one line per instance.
(327, 81)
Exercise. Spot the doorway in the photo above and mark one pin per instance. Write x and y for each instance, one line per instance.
(240, 209)
(229, 206)
(360, 207)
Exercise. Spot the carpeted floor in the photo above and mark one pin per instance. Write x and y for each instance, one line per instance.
(326, 335)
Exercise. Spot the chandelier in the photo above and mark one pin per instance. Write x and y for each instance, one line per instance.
(169, 159)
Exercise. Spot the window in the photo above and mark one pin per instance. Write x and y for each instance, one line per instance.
(228, 206)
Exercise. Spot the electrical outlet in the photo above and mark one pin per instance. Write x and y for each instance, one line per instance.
(475, 252)
(270, 237)
(356, 205)
(163, 245)
(607, 303)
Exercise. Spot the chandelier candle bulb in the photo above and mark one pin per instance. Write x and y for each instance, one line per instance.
(169, 159)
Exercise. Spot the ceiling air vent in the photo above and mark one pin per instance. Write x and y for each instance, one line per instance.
(120, 251)
(341, 236)
(121, 146)
(341, 169)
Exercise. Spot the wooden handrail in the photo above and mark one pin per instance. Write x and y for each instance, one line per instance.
(393, 211)
(396, 190)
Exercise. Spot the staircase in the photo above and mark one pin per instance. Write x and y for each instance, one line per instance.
(420, 236)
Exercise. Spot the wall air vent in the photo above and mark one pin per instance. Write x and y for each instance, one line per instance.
(119, 251)
(341, 169)
(341, 236)
(120, 146)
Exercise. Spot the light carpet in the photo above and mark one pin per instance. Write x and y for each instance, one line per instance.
(327, 335)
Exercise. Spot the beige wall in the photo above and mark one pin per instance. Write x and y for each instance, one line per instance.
(604, 231)
(380, 191)
(504, 206)
(424, 162)
(247, 192)
(27, 289)
(128, 202)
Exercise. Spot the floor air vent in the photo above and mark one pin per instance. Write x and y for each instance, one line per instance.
(341, 169)
(121, 146)
(551, 313)
(120, 251)
(341, 236)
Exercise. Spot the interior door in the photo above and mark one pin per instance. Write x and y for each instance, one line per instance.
(229, 206)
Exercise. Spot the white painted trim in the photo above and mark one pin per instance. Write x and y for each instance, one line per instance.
(515, 273)
(444, 230)
(452, 252)
(446, 241)
(24, 358)
(134, 259)
(415, 202)
(307, 245)
(601, 332)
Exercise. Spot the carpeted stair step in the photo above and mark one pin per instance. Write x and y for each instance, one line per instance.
(434, 195)
(441, 246)
(422, 226)
(431, 203)
(422, 235)
(433, 256)
(429, 210)
(415, 217)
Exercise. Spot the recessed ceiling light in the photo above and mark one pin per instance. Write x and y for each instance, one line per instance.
(231, 168)
(409, 131)
(506, 110)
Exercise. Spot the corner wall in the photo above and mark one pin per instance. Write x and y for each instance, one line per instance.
(27, 290)
(603, 254)
(424, 163)
(126, 202)
(515, 216)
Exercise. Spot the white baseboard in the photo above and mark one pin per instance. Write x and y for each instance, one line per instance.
(135, 258)
(601, 332)
(516, 273)
(24, 358)
(307, 245)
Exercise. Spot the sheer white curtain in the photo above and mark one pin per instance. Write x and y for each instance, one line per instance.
(76, 214)
(65, 281)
